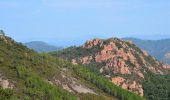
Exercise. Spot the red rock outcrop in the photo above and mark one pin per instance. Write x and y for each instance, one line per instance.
(118, 66)
(124, 59)
(136, 87)
(103, 55)
(118, 80)
(92, 43)
(86, 60)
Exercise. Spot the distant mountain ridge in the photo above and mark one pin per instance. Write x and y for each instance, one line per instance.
(157, 48)
(40, 46)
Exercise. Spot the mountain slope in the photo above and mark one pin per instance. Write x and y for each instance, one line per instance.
(124, 64)
(25, 74)
(157, 48)
(40, 46)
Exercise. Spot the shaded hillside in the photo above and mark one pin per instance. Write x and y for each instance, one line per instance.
(124, 64)
(27, 75)
(40, 46)
(157, 48)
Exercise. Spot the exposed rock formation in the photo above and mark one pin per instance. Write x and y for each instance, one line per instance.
(5, 83)
(124, 59)
(118, 80)
(86, 60)
(71, 84)
(74, 62)
(92, 43)
(125, 84)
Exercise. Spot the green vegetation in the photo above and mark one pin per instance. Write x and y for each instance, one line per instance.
(129, 63)
(6, 94)
(118, 45)
(89, 96)
(75, 52)
(105, 84)
(156, 87)
(29, 81)
(39, 89)
(29, 72)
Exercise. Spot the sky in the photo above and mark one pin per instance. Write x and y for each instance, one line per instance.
(72, 22)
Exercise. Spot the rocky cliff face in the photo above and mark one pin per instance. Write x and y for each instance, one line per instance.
(121, 62)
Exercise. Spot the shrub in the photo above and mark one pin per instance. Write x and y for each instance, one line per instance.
(5, 94)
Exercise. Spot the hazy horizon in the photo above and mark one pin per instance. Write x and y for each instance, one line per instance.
(79, 43)
(72, 22)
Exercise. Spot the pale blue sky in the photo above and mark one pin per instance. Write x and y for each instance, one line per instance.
(69, 22)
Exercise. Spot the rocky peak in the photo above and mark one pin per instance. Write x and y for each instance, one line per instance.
(92, 43)
(122, 58)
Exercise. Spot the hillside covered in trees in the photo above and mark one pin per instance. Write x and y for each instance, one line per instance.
(124, 64)
(27, 75)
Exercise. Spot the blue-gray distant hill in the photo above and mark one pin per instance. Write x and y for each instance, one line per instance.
(40, 46)
(157, 48)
